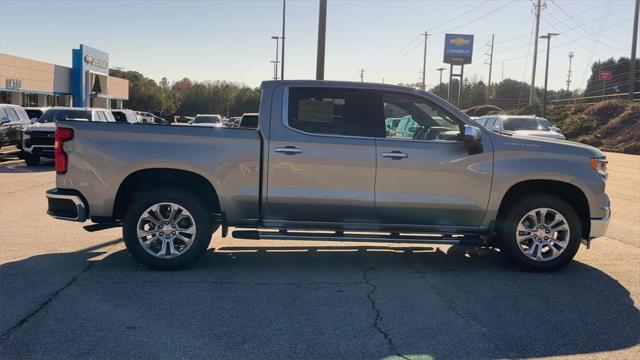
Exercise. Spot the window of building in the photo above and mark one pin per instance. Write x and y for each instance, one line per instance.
(29, 99)
(411, 117)
(331, 111)
(5, 97)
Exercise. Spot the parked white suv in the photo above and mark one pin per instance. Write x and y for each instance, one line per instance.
(38, 139)
(519, 125)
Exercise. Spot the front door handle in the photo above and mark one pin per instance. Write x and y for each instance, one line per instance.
(289, 150)
(396, 155)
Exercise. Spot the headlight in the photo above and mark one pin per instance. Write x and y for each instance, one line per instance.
(600, 165)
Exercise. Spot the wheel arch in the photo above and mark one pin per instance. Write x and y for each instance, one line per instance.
(570, 193)
(149, 179)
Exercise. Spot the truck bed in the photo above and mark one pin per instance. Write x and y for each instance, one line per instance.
(103, 155)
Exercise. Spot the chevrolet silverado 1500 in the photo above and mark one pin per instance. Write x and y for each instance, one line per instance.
(324, 165)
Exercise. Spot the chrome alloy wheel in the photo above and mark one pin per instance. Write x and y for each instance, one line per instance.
(166, 230)
(542, 234)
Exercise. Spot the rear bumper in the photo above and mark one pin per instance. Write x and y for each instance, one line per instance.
(66, 204)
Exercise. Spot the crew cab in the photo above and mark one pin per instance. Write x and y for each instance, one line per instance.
(38, 139)
(322, 165)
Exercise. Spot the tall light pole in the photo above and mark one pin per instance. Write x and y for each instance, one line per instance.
(275, 69)
(634, 44)
(424, 60)
(546, 73)
(535, 52)
(322, 30)
(441, 70)
(275, 73)
(284, 6)
(362, 75)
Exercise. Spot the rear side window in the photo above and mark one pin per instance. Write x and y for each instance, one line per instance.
(120, 116)
(331, 111)
(13, 116)
(100, 116)
(53, 115)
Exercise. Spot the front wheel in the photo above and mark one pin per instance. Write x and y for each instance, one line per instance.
(540, 233)
(167, 229)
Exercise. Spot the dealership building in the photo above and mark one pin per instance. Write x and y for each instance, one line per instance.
(86, 83)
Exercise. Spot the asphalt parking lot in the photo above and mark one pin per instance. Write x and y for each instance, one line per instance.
(66, 293)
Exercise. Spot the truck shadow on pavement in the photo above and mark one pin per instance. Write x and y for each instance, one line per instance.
(317, 302)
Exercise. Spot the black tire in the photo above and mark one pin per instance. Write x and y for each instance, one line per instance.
(186, 199)
(31, 159)
(517, 210)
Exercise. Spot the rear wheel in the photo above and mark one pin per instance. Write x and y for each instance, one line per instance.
(540, 233)
(31, 159)
(167, 229)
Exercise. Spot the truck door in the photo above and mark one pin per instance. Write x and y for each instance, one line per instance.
(321, 165)
(426, 176)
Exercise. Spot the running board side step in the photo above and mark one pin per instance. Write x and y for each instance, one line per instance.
(446, 239)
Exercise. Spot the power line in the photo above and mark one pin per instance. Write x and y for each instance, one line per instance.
(457, 17)
(483, 16)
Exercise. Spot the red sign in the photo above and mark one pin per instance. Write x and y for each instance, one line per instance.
(604, 75)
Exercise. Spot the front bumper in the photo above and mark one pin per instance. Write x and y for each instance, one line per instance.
(66, 204)
(599, 226)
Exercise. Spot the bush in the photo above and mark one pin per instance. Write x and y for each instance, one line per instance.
(605, 111)
(633, 148)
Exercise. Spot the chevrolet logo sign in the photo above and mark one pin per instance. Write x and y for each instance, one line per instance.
(459, 41)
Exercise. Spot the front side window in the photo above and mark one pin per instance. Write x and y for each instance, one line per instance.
(410, 117)
(331, 111)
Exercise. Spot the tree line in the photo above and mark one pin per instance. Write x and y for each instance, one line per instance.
(187, 97)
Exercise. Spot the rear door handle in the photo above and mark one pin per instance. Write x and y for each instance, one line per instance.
(289, 150)
(396, 155)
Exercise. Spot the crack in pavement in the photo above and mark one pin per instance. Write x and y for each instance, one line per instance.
(52, 297)
(378, 318)
(456, 308)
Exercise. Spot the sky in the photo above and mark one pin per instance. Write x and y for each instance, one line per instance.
(231, 40)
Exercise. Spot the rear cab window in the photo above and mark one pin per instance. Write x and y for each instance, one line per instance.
(331, 111)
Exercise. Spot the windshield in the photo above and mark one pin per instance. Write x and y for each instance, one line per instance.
(514, 124)
(206, 119)
(54, 115)
(33, 113)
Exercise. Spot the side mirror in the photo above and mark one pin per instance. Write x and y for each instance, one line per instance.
(473, 139)
(34, 120)
(555, 128)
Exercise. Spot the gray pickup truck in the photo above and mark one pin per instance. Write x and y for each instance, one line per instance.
(324, 164)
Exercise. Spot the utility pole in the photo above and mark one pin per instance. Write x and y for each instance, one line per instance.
(275, 73)
(490, 67)
(546, 72)
(284, 6)
(441, 70)
(535, 52)
(322, 29)
(634, 44)
(424, 60)
(569, 72)
(362, 75)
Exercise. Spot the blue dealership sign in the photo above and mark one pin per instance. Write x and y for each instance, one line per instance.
(89, 66)
(458, 49)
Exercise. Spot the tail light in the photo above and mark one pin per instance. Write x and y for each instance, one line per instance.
(62, 135)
